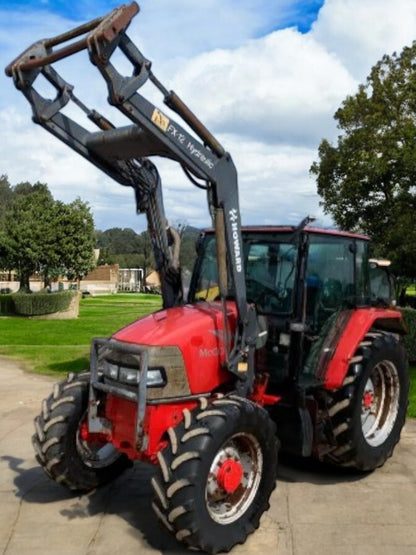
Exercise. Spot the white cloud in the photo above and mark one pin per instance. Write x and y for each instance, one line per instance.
(361, 32)
(282, 88)
(275, 186)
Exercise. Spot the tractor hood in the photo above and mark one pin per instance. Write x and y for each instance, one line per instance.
(197, 330)
(179, 326)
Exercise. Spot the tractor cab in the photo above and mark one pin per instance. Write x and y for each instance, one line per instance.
(298, 282)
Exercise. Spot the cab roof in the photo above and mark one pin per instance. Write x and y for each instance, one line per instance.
(307, 229)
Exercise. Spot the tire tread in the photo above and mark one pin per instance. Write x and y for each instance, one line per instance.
(344, 406)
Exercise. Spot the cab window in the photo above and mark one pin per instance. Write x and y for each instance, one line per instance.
(270, 276)
(329, 277)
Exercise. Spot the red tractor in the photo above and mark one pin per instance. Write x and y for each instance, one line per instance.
(287, 336)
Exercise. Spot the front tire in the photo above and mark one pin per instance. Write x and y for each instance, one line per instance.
(368, 412)
(217, 474)
(63, 447)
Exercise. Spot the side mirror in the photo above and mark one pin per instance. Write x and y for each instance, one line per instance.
(199, 242)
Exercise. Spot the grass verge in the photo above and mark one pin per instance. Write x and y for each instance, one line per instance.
(56, 347)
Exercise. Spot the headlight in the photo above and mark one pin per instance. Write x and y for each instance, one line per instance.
(156, 377)
(120, 373)
(110, 370)
(128, 375)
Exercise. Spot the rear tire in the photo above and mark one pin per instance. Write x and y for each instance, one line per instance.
(217, 474)
(60, 448)
(368, 412)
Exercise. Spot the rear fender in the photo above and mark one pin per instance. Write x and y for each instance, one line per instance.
(341, 345)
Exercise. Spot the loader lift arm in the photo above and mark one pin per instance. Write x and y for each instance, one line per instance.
(123, 153)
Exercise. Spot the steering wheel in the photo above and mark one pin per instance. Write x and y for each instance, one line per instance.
(260, 292)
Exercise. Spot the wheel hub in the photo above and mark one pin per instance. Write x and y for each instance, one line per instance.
(234, 478)
(380, 403)
(229, 475)
(368, 398)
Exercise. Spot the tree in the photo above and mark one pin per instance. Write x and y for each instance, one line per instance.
(188, 253)
(28, 233)
(6, 195)
(368, 180)
(74, 238)
(131, 250)
(39, 234)
(124, 247)
(120, 241)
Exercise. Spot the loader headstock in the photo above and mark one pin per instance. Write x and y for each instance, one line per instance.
(95, 33)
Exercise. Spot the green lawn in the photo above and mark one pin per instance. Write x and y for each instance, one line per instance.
(61, 346)
(411, 290)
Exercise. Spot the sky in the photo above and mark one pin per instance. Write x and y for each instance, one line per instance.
(265, 76)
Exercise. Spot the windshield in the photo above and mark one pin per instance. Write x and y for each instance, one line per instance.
(270, 273)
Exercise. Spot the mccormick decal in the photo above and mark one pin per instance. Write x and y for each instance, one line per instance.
(233, 214)
(213, 352)
(217, 351)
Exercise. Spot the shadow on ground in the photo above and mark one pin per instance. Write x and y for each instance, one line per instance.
(71, 365)
(299, 469)
(130, 495)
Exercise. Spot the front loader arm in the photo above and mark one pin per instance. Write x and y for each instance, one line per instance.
(123, 153)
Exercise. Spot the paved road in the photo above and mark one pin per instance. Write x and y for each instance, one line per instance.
(313, 510)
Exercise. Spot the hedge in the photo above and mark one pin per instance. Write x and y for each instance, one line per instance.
(35, 304)
(6, 305)
(409, 317)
